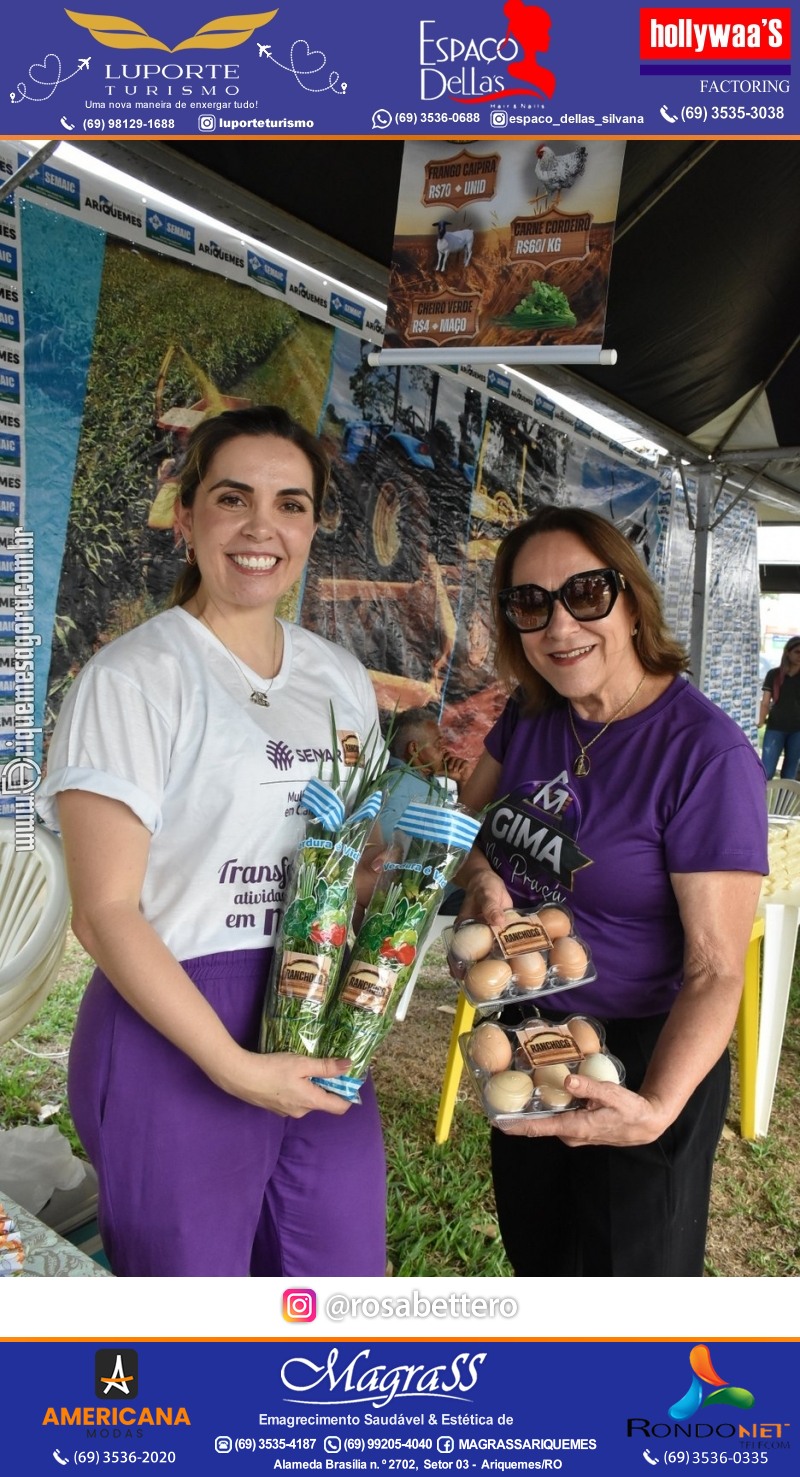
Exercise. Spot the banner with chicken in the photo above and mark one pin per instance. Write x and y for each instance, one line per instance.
(504, 245)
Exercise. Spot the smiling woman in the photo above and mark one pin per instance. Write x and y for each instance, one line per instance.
(654, 802)
(176, 769)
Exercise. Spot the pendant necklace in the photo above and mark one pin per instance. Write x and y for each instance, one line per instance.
(258, 695)
(583, 763)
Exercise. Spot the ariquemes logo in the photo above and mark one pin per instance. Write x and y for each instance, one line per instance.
(517, 45)
(116, 1374)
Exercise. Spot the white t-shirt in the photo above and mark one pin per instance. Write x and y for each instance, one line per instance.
(161, 720)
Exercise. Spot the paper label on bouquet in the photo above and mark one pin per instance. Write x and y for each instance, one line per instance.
(304, 976)
(369, 986)
(542, 1044)
(522, 936)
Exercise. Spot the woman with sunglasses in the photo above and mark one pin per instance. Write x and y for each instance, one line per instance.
(641, 809)
(780, 710)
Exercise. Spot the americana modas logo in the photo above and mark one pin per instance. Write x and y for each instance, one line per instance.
(127, 35)
(116, 1374)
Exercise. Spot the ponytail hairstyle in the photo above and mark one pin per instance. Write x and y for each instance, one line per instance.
(206, 440)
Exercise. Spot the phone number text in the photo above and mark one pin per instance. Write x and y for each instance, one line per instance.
(107, 125)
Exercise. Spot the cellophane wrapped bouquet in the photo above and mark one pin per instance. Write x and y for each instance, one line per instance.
(320, 901)
(433, 839)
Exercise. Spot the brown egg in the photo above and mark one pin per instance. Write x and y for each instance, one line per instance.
(554, 1097)
(529, 970)
(487, 979)
(471, 941)
(508, 1092)
(490, 1048)
(569, 959)
(555, 921)
(584, 1035)
(552, 1074)
(599, 1067)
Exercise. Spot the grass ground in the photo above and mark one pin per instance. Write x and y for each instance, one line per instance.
(441, 1210)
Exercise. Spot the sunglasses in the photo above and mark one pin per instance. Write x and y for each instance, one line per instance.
(588, 597)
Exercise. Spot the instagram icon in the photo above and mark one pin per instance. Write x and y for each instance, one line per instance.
(300, 1305)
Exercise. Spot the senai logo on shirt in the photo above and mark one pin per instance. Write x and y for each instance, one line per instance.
(348, 752)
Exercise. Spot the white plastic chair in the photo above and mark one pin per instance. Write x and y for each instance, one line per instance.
(440, 922)
(783, 797)
(34, 913)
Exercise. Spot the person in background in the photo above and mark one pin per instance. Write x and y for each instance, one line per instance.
(780, 710)
(175, 772)
(419, 756)
(630, 800)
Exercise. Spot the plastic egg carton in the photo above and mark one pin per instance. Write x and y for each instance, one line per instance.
(536, 953)
(527, 1064)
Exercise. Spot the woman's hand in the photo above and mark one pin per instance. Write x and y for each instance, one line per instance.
(486, 896)
(281, 1082)
(612, 1115)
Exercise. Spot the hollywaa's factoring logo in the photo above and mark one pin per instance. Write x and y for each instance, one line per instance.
(126, 35)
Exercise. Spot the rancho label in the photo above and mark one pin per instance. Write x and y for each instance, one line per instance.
(522, 936)
(369, 986)
(304, 976)
(540, 1044)
(350, 746)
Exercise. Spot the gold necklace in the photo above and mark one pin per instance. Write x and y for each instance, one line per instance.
(257, 695)
(582, 763)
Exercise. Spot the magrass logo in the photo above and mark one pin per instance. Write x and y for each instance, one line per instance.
(127, 35)
(116, 1374)
(704, 1374)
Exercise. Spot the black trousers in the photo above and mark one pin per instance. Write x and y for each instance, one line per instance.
(614, 1212)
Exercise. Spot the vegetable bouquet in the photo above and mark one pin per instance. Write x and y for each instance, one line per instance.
(403, 906)
(320, 903)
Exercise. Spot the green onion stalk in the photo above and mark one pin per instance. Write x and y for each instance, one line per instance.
(403, 906)
(320, 904)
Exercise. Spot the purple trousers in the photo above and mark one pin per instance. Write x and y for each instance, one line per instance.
(196, 1183)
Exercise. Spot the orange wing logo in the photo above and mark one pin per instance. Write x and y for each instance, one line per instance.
(217, 35)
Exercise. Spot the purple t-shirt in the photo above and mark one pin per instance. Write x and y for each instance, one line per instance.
(676, 788)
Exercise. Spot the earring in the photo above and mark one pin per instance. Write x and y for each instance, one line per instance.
(191, 557)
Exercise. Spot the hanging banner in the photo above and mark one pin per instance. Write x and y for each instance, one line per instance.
(503, 245)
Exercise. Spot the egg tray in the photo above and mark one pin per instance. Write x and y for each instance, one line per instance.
(520, 1062)
(516, 991)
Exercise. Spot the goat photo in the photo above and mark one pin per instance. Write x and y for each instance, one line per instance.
(449, 243)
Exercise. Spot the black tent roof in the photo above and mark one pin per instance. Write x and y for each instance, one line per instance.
(704, 295)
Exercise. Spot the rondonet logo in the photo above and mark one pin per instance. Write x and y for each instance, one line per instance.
(719, 34)
(359, 1382)
(127, 35)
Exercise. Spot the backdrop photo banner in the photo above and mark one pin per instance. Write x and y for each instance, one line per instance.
(139, 321)
(504, 245)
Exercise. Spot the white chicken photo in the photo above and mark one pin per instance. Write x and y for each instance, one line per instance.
(558, 172)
